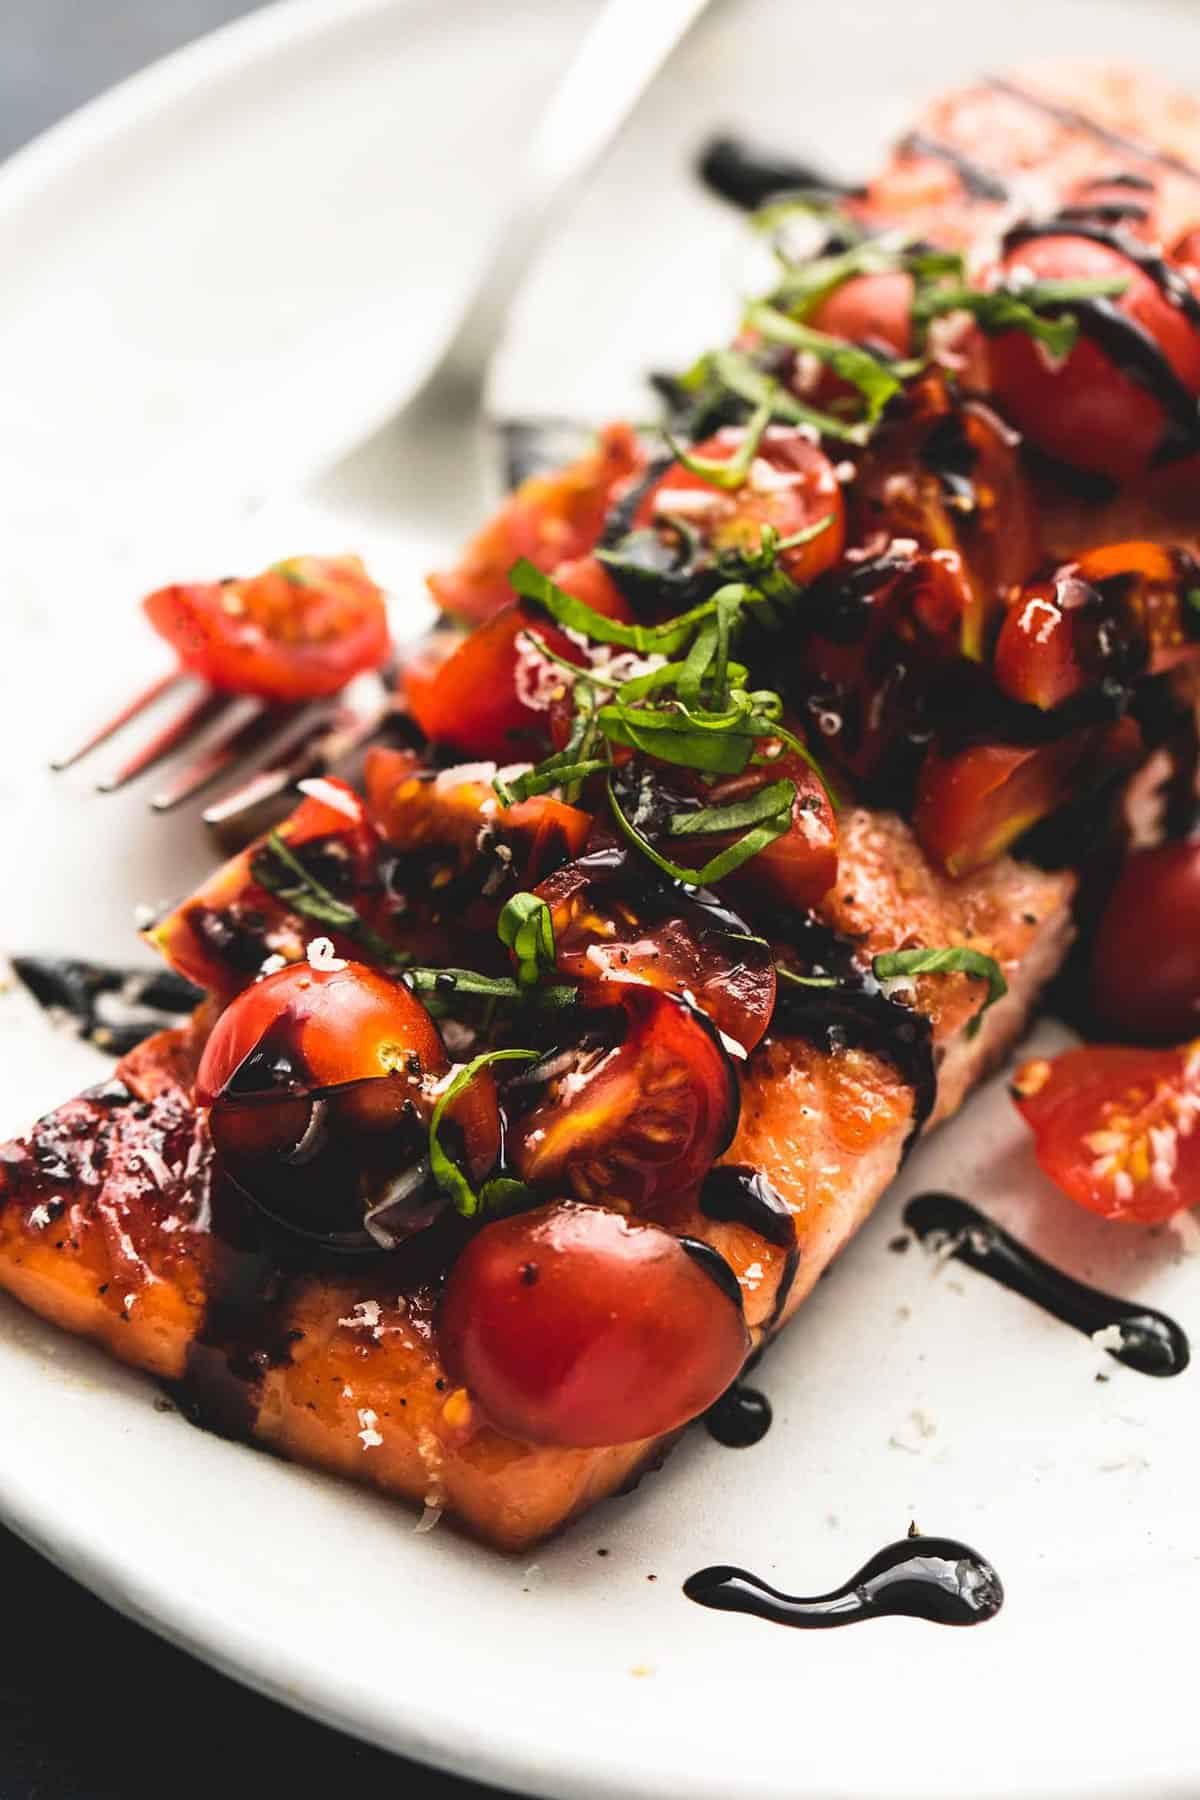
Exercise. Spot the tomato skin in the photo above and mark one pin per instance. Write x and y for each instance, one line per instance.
(603, 936)
(1035, 660)
(1145, 968)
(573, 1326)
(1088, 412)
(550, 519)
(1117, 1129)
(973, 804)
(298, 631)
(870, 310)
(797, 868)
(802, 490)
(475, 697)
(640, 1122)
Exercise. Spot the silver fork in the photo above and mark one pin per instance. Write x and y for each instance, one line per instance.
(426, 474)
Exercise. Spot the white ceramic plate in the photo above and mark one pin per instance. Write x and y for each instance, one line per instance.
(212, 278)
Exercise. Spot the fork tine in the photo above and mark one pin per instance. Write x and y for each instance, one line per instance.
(349, 730)
(248, 724)
(196, 715)
(140, 702)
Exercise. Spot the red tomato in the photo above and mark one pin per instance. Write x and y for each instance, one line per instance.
(1186, 252)
(571, 1325)
(1117, 1130)
(791, 486)
(1145, 972)
(550, 519)
(870, 310)
(1089, 412)
(1035, 657)
(972, 805)
(602, 934)
(300, 630)
(491, 695)
(1153, 582)
(638, 1122)
(797, 868)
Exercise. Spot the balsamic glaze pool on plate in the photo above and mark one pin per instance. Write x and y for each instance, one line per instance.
(740, 1418)
(1151, 1342)
(932, 1578)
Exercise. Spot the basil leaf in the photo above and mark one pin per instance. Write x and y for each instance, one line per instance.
(817, 981)
(549, 774)
(440, 988)
(529, 582)
(721, 865)
(277, 868)
(958, 959)
(732, 472)
(764, 804)
(687, 739)
(526, 928)
(1025, 309)
(446, 1172)
(873, 378)
(735, 371)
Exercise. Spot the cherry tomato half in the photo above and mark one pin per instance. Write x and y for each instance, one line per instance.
(491, 695)
(791, 486)
(972, 805)
(602, 935)
(549, 519)
(875, 310)
(1118, 1130)
(637, 1122)
(1089, 411)
(1145, 972)
(571, 1325)
(1036, 656)
(799, 866)
(300, 630)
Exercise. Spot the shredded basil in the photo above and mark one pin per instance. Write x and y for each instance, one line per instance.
(765, 804)
(446, 1172)
(724, 863)
(875, 381)
(958, 959)
(277, 868)
(442, 989)
(732, 472)
(526, 928)
(1034, 308)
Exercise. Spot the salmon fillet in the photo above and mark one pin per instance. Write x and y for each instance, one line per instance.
(107, 1214)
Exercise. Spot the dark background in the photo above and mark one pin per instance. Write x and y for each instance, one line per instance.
(92, 1707)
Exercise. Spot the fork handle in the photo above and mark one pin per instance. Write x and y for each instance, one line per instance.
(620, 54)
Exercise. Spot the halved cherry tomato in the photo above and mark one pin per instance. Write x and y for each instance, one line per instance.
(1151, 582)
(491, 694)
(571, 1325)
(1117, 1130)
(603, 934)
(220, 936)
(972, 805)
(1145, 970)
(1036, 659)
(791, 486)
(550, 519)
(871, 310)
(641, 1121)
(1091, 411)
(798, 867)
(300, 630)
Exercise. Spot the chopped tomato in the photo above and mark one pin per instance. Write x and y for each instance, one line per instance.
(491, 693)
(791, 486)
(550, 519)
(299, 631)
(1118, 1130)
(1090, 411)
(874, 310)
(220, 936)
(603, 934)
(1153, 585)
(1145, 969)
(1035, 658)
(973, 804)
(640, 1121)
(571, 1325)
(796, 868)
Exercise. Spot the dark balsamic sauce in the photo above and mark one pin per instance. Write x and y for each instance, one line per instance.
(930, 1578)
(1152, 1343)
(743, 1196)
(740, 1418)
(978, 182)
(1084, 221)
(747, 176)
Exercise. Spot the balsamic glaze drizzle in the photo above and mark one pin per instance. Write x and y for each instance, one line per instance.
(740, 1418)
(978, 182)
(1081, 121)
(1151, 1342)
(932, 1578)
(744, 1196)
(747, 176)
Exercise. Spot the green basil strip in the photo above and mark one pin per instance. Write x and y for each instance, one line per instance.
(721, 865)
(648, 640)
(765, 804)
(873, 378)
(735, 372)
(957, 960)
(304, 894)
(811, 981)
(526, 928)
(446, 1172)
(731, 472)
(550, 774)
(1007, 309)
(440, 989)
